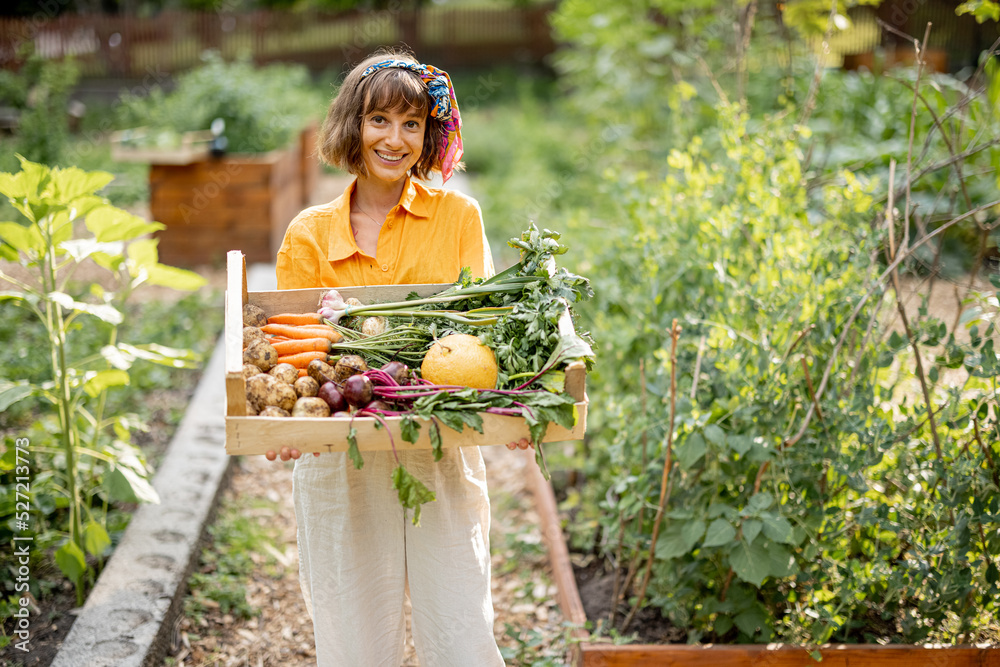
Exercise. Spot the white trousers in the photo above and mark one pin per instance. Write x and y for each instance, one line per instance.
(358, 551)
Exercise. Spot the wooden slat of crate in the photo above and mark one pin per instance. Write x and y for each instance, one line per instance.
(256, 435)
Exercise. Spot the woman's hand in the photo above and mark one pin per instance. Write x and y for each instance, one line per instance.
(286, 454)
(523, 443)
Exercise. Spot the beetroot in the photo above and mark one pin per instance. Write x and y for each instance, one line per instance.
(358, 390)
(333, 397)
(398, 371)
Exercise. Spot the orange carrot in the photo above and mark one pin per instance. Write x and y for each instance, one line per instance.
(302, 359)
(303, 372)
(295, 318)
(293, 331)
(296, 345)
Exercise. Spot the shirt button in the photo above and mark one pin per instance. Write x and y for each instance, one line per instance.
(385, 267)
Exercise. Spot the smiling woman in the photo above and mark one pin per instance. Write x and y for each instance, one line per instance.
(394, 121)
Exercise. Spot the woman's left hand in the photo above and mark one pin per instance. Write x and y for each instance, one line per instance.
(523, 443)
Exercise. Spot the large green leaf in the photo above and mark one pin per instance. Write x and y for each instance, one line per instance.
(719, 532)
(81, 249)
(754, 562)
(123, 355)
(27, 183)
(171, 276)
(102, 380)
(679, 538)
(22, 238)
(71, 182)
(751, 529)
(124, 484)
(95, 538)
(779, 529)
(715, 435)
(109, 223)
(12, 392)
(751, 620)
(690, 450)
(142, 254)
(102, 311)
(71, 560)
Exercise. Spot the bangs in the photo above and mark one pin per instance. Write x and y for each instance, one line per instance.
(395, 89)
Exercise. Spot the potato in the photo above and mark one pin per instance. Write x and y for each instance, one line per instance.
(250, 334)
(251, 410)
(253, 316)
(311, 407)
(274, 411)
(320, 371)
(249, 370)
(264, 390)
(261, 354)
(286, 373)
(348, 365)
(305, 386)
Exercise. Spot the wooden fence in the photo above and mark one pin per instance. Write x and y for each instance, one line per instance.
(123, 46)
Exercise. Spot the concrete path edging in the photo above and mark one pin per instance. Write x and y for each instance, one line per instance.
(128, 618)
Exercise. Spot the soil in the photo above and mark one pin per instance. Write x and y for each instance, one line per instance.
(51, 621)
(596, 584)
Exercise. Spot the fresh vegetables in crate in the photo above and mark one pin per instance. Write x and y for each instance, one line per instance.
(496, 346)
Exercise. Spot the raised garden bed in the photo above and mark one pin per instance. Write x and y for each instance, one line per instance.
(586, 653)
(214, 204)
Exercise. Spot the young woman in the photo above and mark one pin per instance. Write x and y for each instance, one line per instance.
(393, 121)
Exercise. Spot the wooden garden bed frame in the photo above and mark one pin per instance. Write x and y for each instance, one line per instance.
(585, 653)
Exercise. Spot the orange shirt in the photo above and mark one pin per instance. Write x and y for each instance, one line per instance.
(427, 238)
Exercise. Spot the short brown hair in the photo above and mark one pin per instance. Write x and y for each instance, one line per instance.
(389, 89)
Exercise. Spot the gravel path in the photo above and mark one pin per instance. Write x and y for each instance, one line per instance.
(281, 632)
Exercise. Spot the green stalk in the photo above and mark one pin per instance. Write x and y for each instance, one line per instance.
(512, 286)
(57, 347)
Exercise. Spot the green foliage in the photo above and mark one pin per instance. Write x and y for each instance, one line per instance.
(823, 486)
(39, 92)
(263, 107)
(983, 10)
(65, 224)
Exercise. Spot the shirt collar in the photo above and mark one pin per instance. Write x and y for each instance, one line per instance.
(342, 244)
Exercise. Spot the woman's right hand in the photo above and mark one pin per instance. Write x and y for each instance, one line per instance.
(286, 453)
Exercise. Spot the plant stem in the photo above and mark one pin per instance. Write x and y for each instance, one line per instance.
(675, 333)
(57, 348)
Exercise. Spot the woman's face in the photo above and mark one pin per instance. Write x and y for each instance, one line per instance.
(391, 142)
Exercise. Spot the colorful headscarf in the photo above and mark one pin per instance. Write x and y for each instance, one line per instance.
(445, 108)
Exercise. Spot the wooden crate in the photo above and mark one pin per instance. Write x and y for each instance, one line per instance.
(256, 435)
